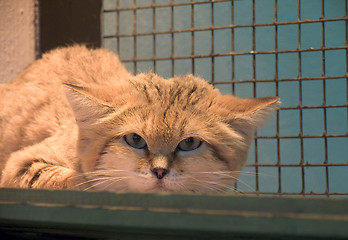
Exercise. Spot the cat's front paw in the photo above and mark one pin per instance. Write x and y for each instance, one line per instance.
(37, 173)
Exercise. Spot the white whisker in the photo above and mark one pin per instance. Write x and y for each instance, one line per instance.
(245, 184)
(106, 187)
(255, 174)
(212, 185)
(104, 180)
(91, 180)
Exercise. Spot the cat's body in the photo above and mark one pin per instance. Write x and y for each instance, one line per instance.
(77, 119)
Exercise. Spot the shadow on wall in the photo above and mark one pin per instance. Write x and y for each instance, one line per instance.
(65, 22)
(31, 27)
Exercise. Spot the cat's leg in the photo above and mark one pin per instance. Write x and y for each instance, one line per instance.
(36, 173)
(29, 168)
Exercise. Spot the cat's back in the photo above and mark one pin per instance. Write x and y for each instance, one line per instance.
(75, 65)
(33, 106)
(41, 84)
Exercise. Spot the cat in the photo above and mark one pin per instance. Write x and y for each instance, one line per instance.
(77, 119)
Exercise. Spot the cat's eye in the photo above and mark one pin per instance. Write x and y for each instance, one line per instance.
(134, 140)
(189, 144)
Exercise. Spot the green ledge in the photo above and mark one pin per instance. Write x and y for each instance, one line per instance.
(47, 214)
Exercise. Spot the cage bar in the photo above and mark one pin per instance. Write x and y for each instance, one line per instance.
(280, 167)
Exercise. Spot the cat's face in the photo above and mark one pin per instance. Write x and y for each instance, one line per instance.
(148, 134)
(150, 152)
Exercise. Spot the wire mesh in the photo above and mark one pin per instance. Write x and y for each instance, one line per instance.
(295, 49)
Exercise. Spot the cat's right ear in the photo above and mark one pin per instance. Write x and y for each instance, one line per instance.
(86, 108)
(249, 113)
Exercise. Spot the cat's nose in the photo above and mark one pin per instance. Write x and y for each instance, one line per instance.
(160, 172)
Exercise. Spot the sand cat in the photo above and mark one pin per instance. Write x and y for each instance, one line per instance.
(76, 119)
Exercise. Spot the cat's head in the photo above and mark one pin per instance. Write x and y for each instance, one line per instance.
(149, 134)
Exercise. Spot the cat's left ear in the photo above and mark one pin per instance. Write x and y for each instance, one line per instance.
(250, 112)
(86, 108)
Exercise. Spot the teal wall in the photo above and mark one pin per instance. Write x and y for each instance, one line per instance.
(303, 62)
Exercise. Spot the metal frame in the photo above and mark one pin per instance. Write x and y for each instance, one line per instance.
(45, 214)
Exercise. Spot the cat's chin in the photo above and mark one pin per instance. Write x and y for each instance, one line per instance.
(159, 189)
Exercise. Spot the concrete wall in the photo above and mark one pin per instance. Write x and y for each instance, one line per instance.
(17, 36)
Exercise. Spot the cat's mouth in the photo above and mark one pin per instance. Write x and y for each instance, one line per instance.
(159, 187)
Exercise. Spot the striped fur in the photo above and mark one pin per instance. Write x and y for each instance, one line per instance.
(63, 123)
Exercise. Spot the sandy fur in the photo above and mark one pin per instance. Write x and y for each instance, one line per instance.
(63, 122)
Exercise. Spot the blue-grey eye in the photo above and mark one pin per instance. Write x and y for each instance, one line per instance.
(189, 144)
(134, 140)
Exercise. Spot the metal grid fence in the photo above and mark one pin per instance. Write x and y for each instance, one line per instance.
(294, 49)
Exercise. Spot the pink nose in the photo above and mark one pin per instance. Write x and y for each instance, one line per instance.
(160, 172)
